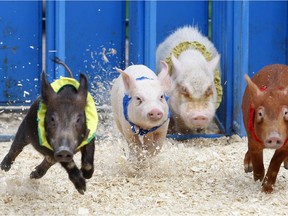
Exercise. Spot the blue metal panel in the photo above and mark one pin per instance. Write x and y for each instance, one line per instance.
(90, 38)
(50, 40)
(222, 37)
(20, 51)
(148, 19)
(60, 36)
(136, 32)
(142, 33)
(240, 59)
(150, 34)
(268, 38)
(174, 14)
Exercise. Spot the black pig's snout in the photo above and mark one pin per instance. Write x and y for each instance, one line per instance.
(63, 154)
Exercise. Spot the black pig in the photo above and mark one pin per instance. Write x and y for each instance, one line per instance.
(65, 129)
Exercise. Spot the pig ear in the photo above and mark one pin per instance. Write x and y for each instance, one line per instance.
(164, 76)
(83, 88)
(286, 90)
(47, 91)
(212, 65)
(176, 65)
(129, 83)
(253, 88)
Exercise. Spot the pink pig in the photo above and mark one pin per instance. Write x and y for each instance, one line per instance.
(140, 109)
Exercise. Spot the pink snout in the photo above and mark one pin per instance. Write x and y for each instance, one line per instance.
(155, 115)
(273, 142)
(199, 120)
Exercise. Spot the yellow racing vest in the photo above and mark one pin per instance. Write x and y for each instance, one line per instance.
(200, 47)
(90, 112)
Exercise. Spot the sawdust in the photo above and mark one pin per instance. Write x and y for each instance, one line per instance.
(195, 177)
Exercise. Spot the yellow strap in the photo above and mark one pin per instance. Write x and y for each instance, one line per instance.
(208, 56)
(90, 112)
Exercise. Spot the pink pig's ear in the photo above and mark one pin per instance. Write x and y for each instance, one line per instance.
(176, 65)
(129, 83)
(253, 88)
(286, 90)
(164, 76)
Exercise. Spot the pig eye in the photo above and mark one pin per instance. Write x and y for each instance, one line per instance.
(260, 115)
(285, 113)
(209, 91)
(79, 119)
(139, 100)
(52, 120)
(184, 91)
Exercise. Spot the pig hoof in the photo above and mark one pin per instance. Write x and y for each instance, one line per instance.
(80, 185)
(248, 166)
(87, 174)
(81, 189)
(286, 164)
(267, 188)
(258, 176)
(5, 166)
(248, 169)
(37, 174)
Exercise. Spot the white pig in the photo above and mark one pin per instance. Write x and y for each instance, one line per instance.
(140, 108)
(193, 65)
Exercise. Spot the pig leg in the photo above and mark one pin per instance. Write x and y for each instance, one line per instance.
(254, 155)
(135, 147)
(42, 168)
(248, 166)
(153, 142)
(258, 166)
(275, 163)
(87, 159)
(75, 176)
(16, 148)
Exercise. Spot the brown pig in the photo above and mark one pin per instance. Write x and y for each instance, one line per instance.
(265, 116)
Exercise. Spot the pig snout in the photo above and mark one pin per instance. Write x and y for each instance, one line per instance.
(155, 115)
(274, 141)
(199, 119)
(63, 154)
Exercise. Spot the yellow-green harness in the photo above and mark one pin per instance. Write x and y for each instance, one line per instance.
(90, 112)
(208, 56)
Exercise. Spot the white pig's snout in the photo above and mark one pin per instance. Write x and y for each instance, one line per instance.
(199, 120)
(155, 114)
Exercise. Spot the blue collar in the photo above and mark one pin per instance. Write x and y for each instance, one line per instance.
(136, 129)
